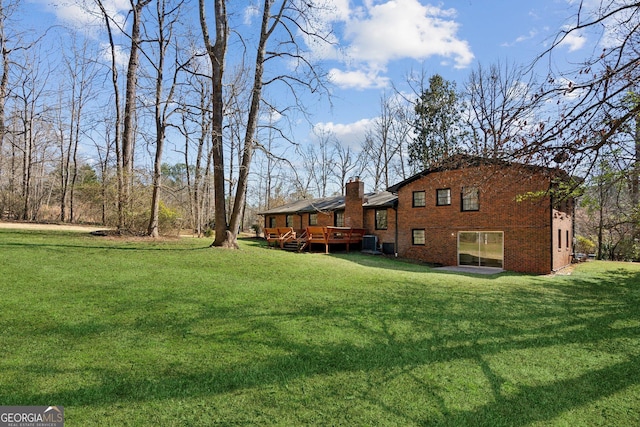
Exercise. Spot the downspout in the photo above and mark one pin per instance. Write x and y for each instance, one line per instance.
(395, 244)
(573, 228)
(552, 229)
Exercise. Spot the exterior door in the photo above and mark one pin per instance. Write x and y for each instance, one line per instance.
(481, 249)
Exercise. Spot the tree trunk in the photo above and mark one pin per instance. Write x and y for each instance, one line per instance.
(118, 119)
(252, 122)
(217, 55)
(160, 122)
(128, 129)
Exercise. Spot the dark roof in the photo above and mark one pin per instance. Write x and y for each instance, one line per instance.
(331, 204)
(383, 199)
(463, 160)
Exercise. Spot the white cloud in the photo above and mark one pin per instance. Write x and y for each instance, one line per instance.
(86, 16)
(358, 79)
(122, 56)
(570, 91)
(378, 32)
(574, 40)
(400, 29)
(521, 39)
(250, 12)
(349, 134)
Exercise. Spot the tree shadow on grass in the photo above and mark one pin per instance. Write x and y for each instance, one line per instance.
(583, 312)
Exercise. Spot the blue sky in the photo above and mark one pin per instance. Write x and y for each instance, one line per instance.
(449, 38)
(381, 41)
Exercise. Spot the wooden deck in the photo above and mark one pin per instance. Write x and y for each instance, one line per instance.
(279, 236)
(287, 238)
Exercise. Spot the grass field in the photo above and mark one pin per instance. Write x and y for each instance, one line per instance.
(174, 333)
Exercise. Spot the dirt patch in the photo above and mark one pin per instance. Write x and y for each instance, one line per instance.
(60, 227)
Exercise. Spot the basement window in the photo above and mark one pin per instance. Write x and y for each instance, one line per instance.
(418, 237)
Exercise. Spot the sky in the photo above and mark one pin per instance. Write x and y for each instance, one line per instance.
(387, 39)
(378, 42)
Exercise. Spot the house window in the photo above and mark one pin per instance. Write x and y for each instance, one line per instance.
(470, 199)
(559, 239)
(418, 237)
(272, 222)
(419, 199)
(289, 221)
(313, 219)
(567, 236)
(381, 219)
(340, 219)
(443, 197)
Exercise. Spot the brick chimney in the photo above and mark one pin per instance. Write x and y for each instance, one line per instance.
(353, 199)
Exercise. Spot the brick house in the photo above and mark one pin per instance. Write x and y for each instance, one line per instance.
(372, 211)
(485, 213)
(469, 211)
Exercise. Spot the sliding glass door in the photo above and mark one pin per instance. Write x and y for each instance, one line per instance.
(481, 249)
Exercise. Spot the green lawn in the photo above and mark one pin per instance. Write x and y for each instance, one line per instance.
(175, 333)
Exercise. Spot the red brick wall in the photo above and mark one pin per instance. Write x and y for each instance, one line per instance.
(384, 236)
(526, 223)
(301, 221)
(324, 219)
(562, 222)
(353, 199)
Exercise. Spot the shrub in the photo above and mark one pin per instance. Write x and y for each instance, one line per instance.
(584, 245)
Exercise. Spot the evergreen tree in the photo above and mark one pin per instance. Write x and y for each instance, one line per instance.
(438, 124)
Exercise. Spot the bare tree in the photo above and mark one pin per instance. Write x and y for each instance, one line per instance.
(237, 102)
(125, 138)
(29, 117)
(5, 51)
(272, 161)
(318, 162)
(373, 159)
(166, 19)
(117, 136)
(104, 150)
(384, 142)
(194, 125)
(346, 161)
(217, 55)
(499, 109)
(285, 18)
(129, 119)
(400, 133)
(589, 100)
(606, 208)
(79, 74)
(15, 48)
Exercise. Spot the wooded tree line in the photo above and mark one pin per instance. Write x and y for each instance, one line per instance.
(87, 117)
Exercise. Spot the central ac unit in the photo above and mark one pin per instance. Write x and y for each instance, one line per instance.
(369, 243)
